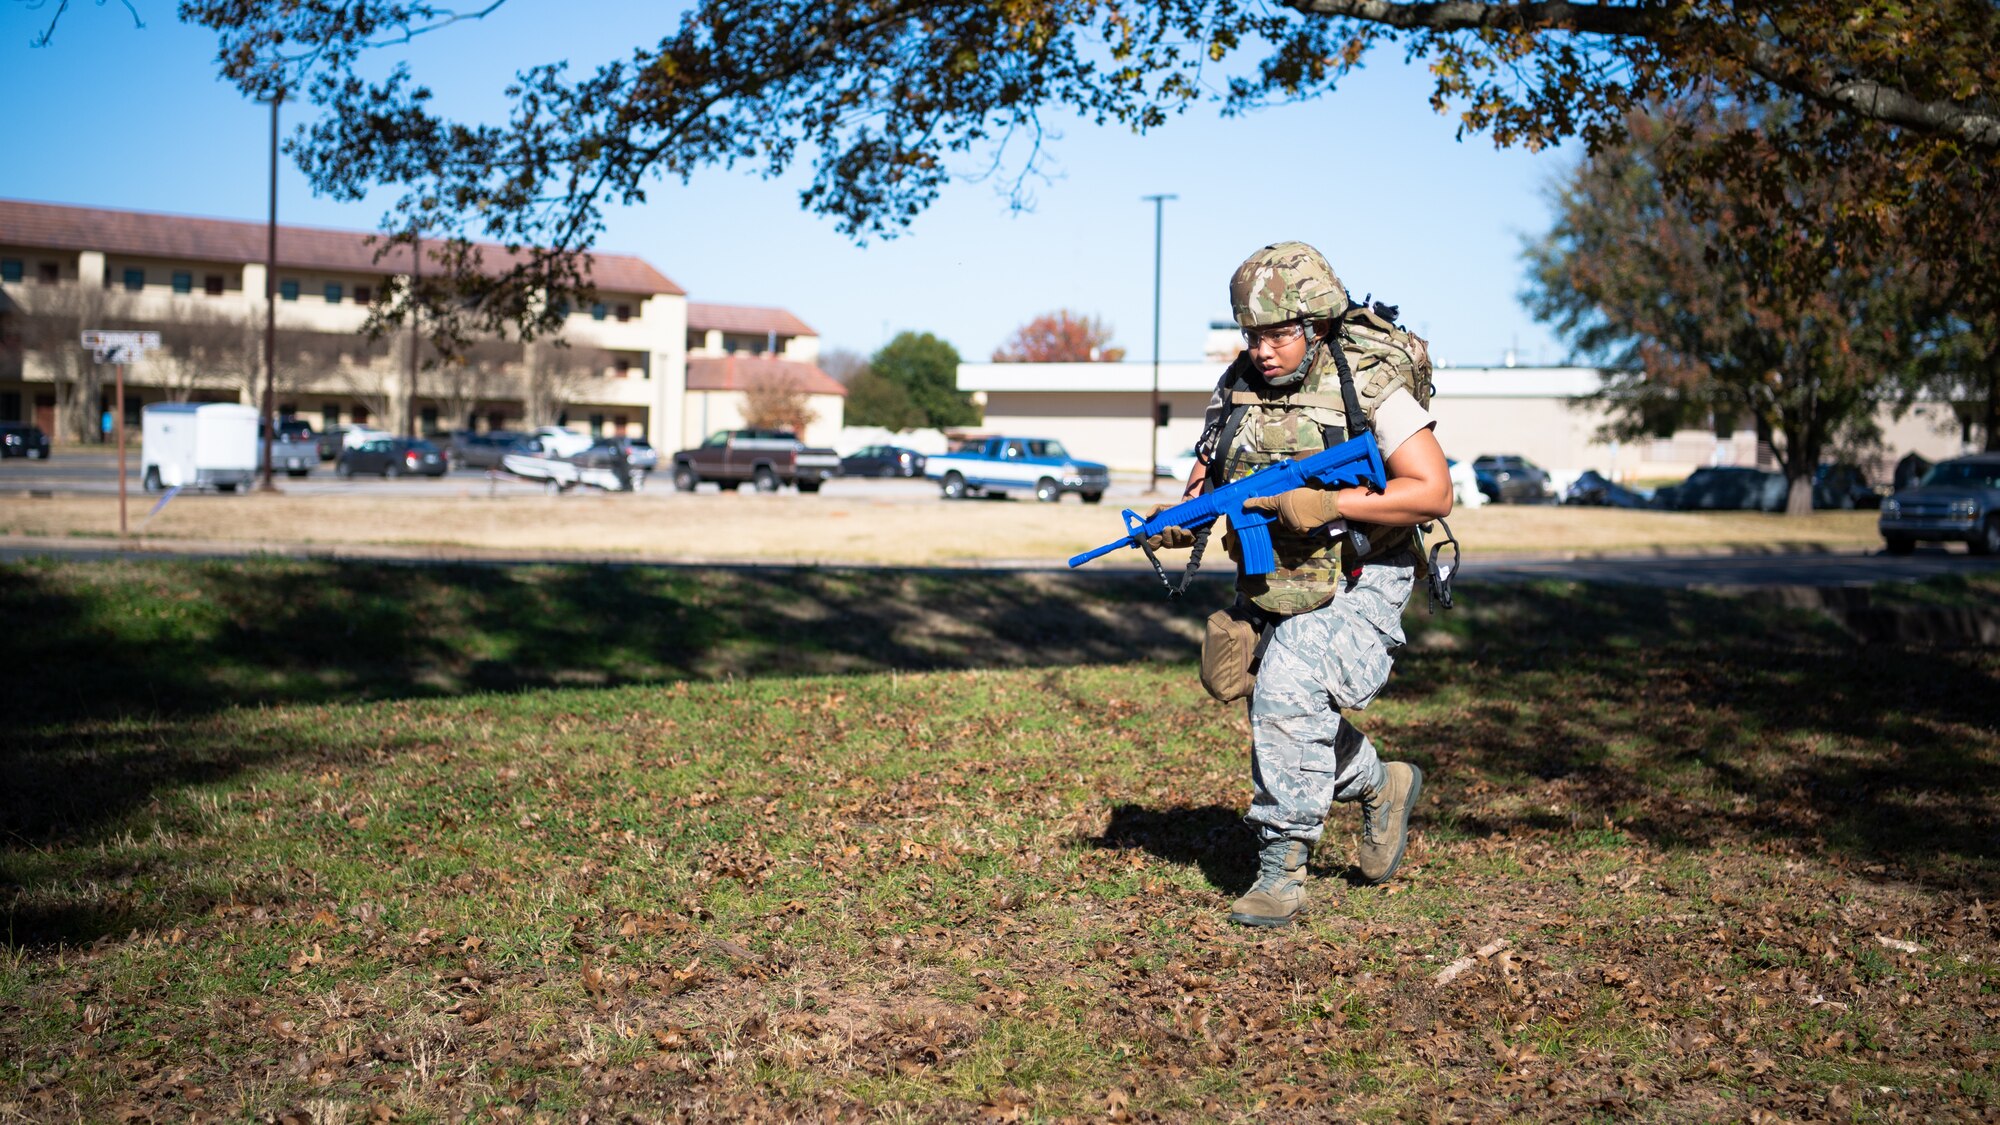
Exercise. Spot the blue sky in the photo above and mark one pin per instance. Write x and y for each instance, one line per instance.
(114, 116)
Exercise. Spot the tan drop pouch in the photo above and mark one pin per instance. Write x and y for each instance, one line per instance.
(1227, 653)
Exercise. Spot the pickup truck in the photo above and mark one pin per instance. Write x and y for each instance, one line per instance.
(766, 459)
(1006, 464)
(294, 452)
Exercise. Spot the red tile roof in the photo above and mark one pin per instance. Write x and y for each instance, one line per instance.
(750, 320)
(736, 372)
(59, 227)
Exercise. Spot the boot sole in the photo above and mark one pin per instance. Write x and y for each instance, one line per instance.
(1263, 920)
(1409, 806)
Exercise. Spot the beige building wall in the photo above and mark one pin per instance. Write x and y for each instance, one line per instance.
(643, 382)
(1101, 412)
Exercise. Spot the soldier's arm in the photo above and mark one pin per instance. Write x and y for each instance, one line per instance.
(1419, 486)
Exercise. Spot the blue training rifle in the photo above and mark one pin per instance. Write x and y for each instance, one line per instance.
(1356, 461)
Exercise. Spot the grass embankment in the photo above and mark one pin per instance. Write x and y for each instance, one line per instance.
(902, 526)
(819, 844)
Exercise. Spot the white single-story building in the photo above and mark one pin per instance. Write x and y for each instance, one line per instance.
(1103, 412)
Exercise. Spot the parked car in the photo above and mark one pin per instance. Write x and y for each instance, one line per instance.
(1956, 500)
(1026, 464)
(882, 461)
(1725, 488)
(1178, 468)
(1843, 485)
(294, 451)
(766, 459)
(18, 439)
(392, 457)
(333, 439)
(481, 451)
(1511, 479)
(1465, 488)
(1597, 490)
(639, 453)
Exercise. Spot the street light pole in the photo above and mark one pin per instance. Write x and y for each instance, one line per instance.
(271, 302)
(1153, 419)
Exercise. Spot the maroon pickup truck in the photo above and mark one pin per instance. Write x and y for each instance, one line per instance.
(767, 459)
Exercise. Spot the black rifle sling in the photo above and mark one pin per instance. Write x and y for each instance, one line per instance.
(1357, 424)
(1222, 455)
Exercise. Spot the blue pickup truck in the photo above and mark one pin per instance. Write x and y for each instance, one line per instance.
(1009, 464)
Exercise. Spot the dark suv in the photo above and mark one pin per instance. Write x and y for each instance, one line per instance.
(481, 451)
(392, 457)
(1957, 499)
(18, 439)
(1511, 479)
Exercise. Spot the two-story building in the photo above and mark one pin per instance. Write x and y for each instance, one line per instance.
(201, 284)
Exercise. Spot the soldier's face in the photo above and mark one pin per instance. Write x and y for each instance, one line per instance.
(1276, 358)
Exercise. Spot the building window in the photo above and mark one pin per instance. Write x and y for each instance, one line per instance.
(183, 281)
(135, 280)
(329, 416)
(212, 285)
(10, 269)
(618, 425)
(624, 313)
(49, 272)
(361, 415)
(597, 425)
(333, 292)
(598, 310)
(429, 414)
(363, 295)
(289, 289)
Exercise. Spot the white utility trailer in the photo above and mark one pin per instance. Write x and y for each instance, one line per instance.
(198, 445)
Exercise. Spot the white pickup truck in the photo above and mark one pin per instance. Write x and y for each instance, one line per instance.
(1018, 464)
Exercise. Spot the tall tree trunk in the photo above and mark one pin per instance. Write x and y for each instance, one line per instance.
(1799, 494)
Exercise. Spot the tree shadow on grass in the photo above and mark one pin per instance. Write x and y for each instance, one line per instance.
(1695, 720)
(1614, 693)
(116, 661)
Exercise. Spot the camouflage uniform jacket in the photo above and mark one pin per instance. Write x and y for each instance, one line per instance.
(1281, 422)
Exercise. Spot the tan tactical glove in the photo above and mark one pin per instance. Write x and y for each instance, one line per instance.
(1169, 538)
(1301, 509)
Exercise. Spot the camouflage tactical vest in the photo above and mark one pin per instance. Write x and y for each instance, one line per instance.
(1281, 422)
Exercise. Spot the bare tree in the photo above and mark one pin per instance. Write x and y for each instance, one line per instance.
(479, 372)
(777, 401)
(842, 364)
(551, 373)
(52, 321)
(201, 344)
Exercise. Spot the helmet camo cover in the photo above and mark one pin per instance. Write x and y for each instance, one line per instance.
(1285, 281)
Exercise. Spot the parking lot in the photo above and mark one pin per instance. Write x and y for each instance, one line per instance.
(95, 472)
(69, 499)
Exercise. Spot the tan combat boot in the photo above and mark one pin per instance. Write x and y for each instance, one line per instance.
(1385, 820)
(1279, 893)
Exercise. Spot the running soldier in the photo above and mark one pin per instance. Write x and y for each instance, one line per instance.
(1330, 615)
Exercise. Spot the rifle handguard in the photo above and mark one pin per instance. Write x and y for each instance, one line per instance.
(1352, 463)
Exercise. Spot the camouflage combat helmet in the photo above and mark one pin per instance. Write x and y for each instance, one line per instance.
(1282, 282)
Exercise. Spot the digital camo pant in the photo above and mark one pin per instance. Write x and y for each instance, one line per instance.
(1305, 755)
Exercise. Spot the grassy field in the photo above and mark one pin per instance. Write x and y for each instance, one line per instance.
(291, 841)
(908, 528)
